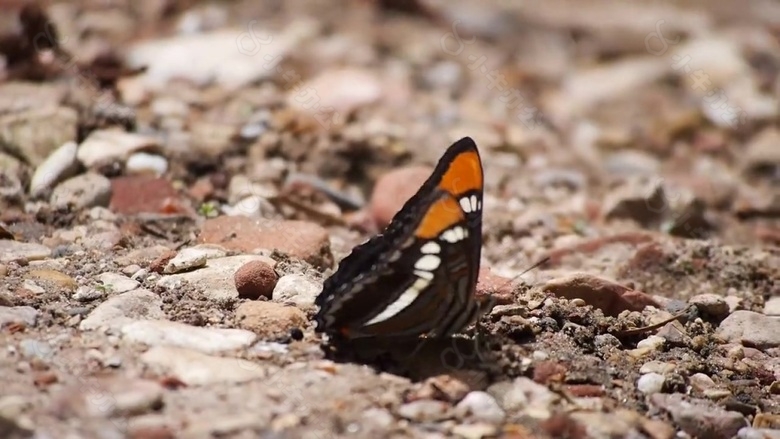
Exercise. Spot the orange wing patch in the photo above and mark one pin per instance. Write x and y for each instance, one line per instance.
(463, 175)
(443, 213)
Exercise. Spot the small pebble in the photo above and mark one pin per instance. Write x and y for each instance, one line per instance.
(143, 163)
(650, 383)
(255, 279)
(482, 407)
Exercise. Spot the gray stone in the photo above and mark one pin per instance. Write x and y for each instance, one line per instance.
(751, 329)
(167, 333)
(15, 250)
(197, 369)
(123, 309)
(58, 165)
(83, 191)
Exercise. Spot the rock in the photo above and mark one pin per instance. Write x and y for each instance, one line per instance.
(523, 395)
(482, 407)
(35, 133)
(610, 297)
(698, 417)
(751, 329)
(393, 189)
(758, 433)
(255, 279)
(193, 257)
(300, 239)
(102, 240)
(642, 202)
(120, 310)
(212, 58)
(270, 320)
(424, 410)
(772, 306)
(343, 90)
(499, 287)
(587, 88)
(296, 289)
(53, 278)
(18, 314)
(102, 147)
(136, 194)
(116, 397)
(630, 163)
(700, 382)
(117, 283)
(197, 369)
(762, 154)
(650, 383)
(215, 280)
(86, 294)
(167, 333)
(653, 342)
(58, 166)
(475, 431)
(711, 305)
(143, 163)
(142, 255)
(82, 192)
(14, 251)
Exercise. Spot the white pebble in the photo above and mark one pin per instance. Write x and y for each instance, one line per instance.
(650, 383)
(144, 163)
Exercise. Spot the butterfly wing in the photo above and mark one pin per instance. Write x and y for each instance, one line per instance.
(379, 284)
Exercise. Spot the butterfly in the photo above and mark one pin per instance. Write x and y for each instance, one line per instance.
(418, 276)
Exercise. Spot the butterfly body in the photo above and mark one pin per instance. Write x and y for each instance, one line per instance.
(418, 276)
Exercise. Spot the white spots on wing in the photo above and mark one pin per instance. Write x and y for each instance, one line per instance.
(465, 204)
(406, 298)
(427, 263)
(424, 274)
(470, 204)
(454, 234)
(430, 248)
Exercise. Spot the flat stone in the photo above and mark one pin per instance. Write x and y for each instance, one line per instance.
(58, 165)
(301, 239)
(193, 257)
(134, 194)
(106, 146)
(18, 314)
(167, 333)
(699, 418)
(117, 283)
(82, 192)
(197, 369)
(125, 308)
(215, 280)
(36, 132)
(270, 320)
(15, 250)
(297, 289)
(751, 329)
(53, 278)
(128, 397)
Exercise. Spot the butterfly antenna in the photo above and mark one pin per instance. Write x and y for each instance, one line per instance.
(535, 265)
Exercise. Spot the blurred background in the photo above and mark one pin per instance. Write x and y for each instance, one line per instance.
(659, 113)
(634, 140)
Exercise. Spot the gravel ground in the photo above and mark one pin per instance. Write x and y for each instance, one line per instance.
(177, 179)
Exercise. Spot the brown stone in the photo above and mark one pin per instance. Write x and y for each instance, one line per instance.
(610, 297)
(145, 194)
(300, 239)
(499, 287)
(393, 189)
(270, 320)
(255, 279)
